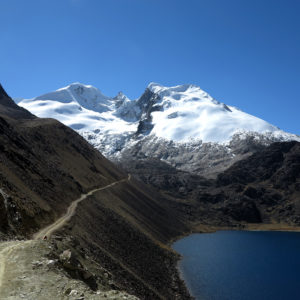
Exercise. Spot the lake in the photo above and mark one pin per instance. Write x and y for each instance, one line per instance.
(238, 265)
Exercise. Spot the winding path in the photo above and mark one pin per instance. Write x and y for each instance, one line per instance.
(47, 231)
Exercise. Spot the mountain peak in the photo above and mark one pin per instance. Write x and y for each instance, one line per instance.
(182, 88)
(3, 93)
(121, 96)
(80, 89)
(76, 85)
(154, 85)
(76, 93)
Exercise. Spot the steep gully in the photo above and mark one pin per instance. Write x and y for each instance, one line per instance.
(7, 248)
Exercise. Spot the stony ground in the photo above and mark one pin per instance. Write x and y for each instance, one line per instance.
(28, 272)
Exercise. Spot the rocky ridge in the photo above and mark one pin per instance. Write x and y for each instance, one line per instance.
(261, 189)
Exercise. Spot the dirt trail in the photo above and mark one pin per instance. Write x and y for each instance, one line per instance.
(6, 250)
(11, 252)
(70, 212)
(4, 253)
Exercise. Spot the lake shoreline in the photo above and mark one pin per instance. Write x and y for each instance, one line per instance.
(201, 228)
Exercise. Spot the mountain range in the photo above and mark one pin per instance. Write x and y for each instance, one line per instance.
(181, 125)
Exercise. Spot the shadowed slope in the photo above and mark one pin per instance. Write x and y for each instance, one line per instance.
(45, 165)
(9, 108)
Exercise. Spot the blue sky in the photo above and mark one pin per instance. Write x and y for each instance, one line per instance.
(244, 53)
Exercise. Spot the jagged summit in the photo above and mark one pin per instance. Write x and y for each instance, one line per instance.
(121, 95)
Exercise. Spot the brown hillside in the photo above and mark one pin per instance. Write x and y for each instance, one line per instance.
(44, 166)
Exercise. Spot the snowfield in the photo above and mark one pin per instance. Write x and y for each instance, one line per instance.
(189, 112)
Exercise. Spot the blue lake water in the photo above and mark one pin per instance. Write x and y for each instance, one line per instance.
(241, 265)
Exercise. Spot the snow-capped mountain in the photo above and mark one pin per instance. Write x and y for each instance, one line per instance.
(187, 112)
(82, 107)
(180, 125)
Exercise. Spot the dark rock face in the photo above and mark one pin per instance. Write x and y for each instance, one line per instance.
(147, 104)
(277, 163)
(261, 188)
(270, 178)
(203, 159)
